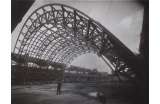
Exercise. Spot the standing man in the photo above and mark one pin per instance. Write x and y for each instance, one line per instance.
(59, 84)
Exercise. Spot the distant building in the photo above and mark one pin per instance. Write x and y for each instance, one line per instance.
(104, 74)
(81, 74)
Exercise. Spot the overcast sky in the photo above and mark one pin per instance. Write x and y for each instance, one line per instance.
(123, 18)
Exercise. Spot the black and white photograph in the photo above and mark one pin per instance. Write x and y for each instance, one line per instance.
(79, 52)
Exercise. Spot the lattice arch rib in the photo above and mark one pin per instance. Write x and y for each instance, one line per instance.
(59, 33)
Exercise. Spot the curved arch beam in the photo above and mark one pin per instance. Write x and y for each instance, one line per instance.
(81, 27)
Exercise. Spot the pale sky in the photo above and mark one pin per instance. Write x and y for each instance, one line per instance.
(123, 18)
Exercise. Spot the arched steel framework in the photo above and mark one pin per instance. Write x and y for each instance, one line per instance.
(60, 33)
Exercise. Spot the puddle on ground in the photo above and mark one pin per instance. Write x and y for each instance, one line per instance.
(93, 94)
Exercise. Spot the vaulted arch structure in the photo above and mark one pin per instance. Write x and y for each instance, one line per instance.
(60, 33)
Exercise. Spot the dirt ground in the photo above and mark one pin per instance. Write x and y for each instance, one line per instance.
(71, 94)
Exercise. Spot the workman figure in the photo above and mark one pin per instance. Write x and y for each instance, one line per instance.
(59, 84)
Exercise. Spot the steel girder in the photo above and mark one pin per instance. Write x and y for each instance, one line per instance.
(60, 33)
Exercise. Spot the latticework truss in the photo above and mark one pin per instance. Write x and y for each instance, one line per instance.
(57, 33)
